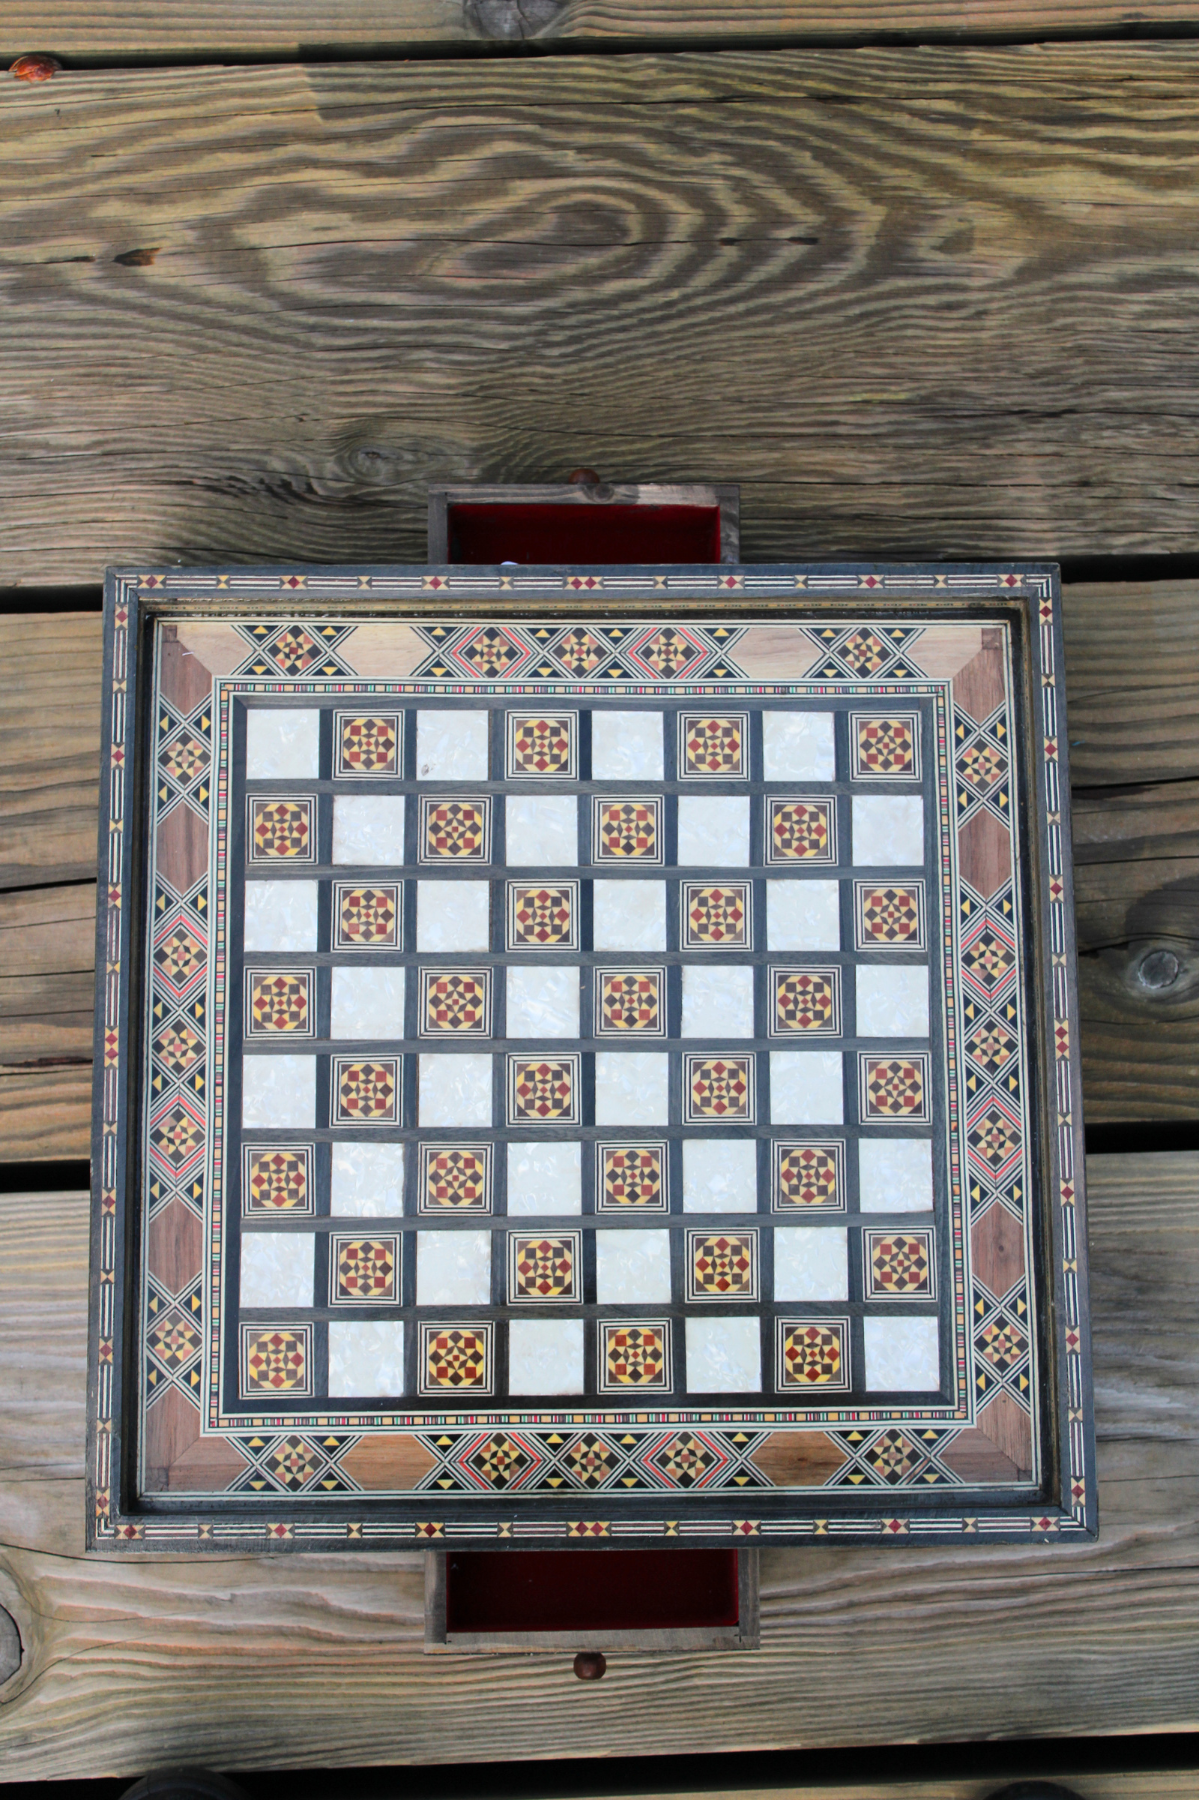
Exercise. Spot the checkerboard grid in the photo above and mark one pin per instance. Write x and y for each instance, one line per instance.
(666, 808)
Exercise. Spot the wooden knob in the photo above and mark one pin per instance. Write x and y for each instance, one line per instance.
(590, 1665)
(583, 478)
(34, 68)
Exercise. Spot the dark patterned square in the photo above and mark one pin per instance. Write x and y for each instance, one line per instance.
(458, 831)
(889, 915)
(812, 1355)
(544, 1269)
(455, 1177)
(630, 1002)
(367, 744)
(541, 746)
(366, 1093)
(715, 918)
(631, 1175)
(457, 1001)
(894, 1089)
(276, 1359)
(282, 829)
(543, 1090)
(366, 918)
(715, 746)
(885, 749)
(806, 1002)
(801, 831)
(718, 1090)
(808, 1175)
(627, 830)
(898, 1265)
(635, 1354)
(364, 1271)
(721, 1265)
(456, 1359)
(278, 1179)
(279, 1002)
(543, 917)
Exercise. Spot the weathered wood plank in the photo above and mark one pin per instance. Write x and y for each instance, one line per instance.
(50, 749)
(916, 302)
(113, 30)
(316, 1661)
(1136, 645)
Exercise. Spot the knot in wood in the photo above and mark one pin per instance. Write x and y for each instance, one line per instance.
(510, 21)
(34, 68)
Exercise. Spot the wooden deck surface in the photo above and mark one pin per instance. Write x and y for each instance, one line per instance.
(929, 297)
(316, 1661)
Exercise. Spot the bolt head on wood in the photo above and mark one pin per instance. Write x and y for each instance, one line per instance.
(34, 68)
(590, 1665)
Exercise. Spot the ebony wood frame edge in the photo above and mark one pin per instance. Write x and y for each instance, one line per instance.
(745, 1635)
(725, 496)
(128, 1509)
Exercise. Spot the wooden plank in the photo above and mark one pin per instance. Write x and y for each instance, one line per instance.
(1134, 848)
(915, 302)
(114, 30)
(316, 1661)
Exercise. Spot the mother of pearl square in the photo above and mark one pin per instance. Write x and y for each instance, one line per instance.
(545, 1356)
(627, 746)
(803, 915)
(454, 1090)
(889, 830)
(541, 830)
(797, 746)
(277, 1268)
(892, 1001)
(282, 743)
(366, 1356)
(806, 1087)
(629, 915)
(452, 745)
(281, 915)
(454, 1268)
(542, 1002)
(901, 1354)
(279, 1091)
(720, 1175)
(453, 915)
(368, 828)
(366, 1003)
(633, 1268)
(810, 1263)
(724, 1356)
(895, 1175)
(367, 1181)
(544, 1179)
(714, 831)
(631, 1088)
(718, 1001)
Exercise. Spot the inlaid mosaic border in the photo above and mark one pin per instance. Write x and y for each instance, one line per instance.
(694, 1471)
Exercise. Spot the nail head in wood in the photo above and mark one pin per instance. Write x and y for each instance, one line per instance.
(583, 478)
(590, 1665)
(34, 68)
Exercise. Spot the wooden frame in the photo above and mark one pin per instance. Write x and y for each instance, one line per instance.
(723, 496)
(773, 608)
(745, 1635)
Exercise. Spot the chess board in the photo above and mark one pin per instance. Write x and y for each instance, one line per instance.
(586, 1056)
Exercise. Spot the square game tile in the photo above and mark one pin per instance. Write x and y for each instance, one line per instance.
(810, 1262)
(544, 1179)
(279, 1003)
(714, 746)
(364, 1271)
(723, 1355)
(809, 1174)
(366, 1002)
(720, 1175)
(715, 918)
(625, 831)
(888, 830)
(282, 830)
(812, 1355)
(456, 1003)
(720, 1265)
(276, 1361)
(367, 1181)
(543, 1090)
(805, 1002)
(627, 746)
(282, 743)
(632, 1087)
(452, 745)
(278, 1179)
(541, 830)
(456, 1359)
(895, 1175)
(543, 915)
(631, 1175)
(277, 1268)
(718, 1001)
(633, 1268)
(453, 916)
(366, 916)
(281, 915)
(894, 1089)
(714, 832)
(718, 1090)
(365, 1091)
(368, 745)
(366, 1357)
(899, 1265)
(545, 1268)
(454, 830)
(455, 1178)
(279, 1093)
(901, 1355)
(541, 746)
(806, 1087)
(803, 915)
(892, 1002)
(454, 1090)
(635, 1355)
(630, 1002)
(629, 915)
(885, 747)
(798, 746)
(368, 829)
(545, 1356)
(543, 1002)
(454, 1268)
(800, 830)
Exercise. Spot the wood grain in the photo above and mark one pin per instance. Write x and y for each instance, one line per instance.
(917, 303)
(116, 30)
(310, 1661)
(50, 749)
(1134, 644)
